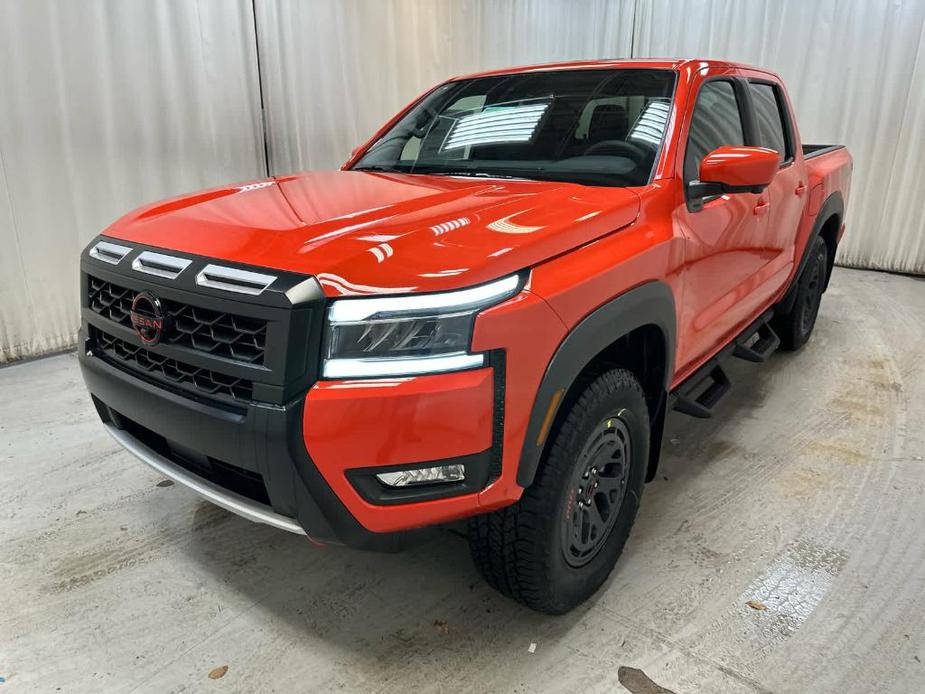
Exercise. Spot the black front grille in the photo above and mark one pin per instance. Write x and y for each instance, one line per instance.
(227, 335)
(161, 368)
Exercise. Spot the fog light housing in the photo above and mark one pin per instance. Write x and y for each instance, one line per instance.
(423, 481)
(426, 475)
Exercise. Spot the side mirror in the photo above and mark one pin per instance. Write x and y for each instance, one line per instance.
(734, 169)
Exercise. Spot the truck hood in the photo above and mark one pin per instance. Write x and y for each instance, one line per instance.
(363, 233)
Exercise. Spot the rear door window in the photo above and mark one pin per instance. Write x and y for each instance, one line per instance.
(769, 117)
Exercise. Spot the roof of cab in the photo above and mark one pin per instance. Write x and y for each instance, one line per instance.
(663, 63)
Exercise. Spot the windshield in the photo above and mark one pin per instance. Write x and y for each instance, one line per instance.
(595, 127)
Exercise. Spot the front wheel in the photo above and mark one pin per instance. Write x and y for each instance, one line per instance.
(555, 547)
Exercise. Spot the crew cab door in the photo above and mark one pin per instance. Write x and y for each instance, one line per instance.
(789, 191)
(725, 239)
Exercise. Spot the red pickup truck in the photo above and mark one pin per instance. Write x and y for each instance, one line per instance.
(485, 314)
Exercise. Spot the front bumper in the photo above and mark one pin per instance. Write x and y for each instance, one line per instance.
(254, 461)
(218, 495)
(251, 461)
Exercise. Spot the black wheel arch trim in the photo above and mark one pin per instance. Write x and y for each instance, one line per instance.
(834, 206)
(651, 303)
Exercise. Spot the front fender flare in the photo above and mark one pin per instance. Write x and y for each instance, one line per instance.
(648, 304)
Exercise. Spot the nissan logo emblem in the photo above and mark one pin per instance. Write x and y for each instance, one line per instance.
(148, 318)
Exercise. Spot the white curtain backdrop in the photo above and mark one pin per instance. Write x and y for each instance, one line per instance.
(855, 70)
(335, 70)
(105, 106)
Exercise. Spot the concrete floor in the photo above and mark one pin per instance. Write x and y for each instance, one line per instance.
(806, 494)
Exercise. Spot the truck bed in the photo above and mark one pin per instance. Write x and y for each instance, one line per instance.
(810, 151)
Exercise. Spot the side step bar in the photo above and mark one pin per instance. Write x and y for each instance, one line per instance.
(760, 349)
(701, 392)
(711, 386)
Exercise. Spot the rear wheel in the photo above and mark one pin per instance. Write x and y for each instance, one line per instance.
(795, 328)
(556, 546)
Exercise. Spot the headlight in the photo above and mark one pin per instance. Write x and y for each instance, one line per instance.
(407, 335)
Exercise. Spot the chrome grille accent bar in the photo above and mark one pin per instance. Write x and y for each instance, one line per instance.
(111, 253)
(159, 264)
(231, 279)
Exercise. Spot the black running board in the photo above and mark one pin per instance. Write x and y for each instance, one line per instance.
(758, 346)
(703, 395)
(699, 395)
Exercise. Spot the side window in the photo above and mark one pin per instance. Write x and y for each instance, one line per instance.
(768, 114)
(716, 121)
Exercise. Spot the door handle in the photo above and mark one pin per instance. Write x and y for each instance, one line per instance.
(761, 208)
(800, 189)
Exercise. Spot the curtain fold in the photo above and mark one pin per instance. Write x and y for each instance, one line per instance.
(336, 70)
(105, 106)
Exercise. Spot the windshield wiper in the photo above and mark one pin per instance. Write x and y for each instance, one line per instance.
(478, 174)
(423, 171)
(378, 167)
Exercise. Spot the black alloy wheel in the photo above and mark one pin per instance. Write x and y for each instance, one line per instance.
(597, 490)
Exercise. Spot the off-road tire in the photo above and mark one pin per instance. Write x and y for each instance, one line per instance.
(796, 327)
(525, 551)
